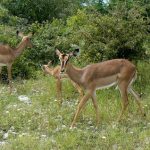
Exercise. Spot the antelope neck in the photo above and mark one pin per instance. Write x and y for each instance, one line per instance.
(74, 73)
(20, 48)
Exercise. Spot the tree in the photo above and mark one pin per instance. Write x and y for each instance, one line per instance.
(42, 10)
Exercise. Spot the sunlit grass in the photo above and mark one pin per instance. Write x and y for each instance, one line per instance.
(44, 125)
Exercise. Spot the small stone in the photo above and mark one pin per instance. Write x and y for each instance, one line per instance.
(5, 136)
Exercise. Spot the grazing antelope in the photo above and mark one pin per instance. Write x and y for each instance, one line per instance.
(9, 54)
(55, 72)
(119, 72)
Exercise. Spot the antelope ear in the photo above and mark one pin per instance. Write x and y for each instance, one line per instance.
(49, 63)
(75, 53)
(19, 34)
(58, 52)
(30, 34)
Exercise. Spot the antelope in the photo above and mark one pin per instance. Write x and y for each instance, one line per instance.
(55, 72)
(9, 54)
(120, 72)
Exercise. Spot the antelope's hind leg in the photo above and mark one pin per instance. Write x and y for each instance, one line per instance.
(124, 95)
(137, 98)
(9, 67)
(0, 73)
(95, 104)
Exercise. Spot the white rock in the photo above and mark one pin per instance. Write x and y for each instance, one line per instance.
(103, 137)
(25, 99)
(63, 126)
(7, 112)
(43, 136)
(5, 136)
(2, 143)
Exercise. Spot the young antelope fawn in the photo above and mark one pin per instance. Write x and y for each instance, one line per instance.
(55, 72)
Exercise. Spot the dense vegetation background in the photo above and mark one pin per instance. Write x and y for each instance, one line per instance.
(102, 30)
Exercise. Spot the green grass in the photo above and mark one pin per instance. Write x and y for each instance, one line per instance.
(44, 125)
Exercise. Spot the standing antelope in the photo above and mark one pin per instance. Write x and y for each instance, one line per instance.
(8, 54)
(55, 72)
(119, 72)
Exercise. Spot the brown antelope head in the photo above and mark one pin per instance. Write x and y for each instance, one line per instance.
(64, 58)
(46, 67)
(26, 38)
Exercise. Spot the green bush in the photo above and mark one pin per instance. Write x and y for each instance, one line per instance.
(106, 37)
(99, 36)
(41, 10)
(10, 20)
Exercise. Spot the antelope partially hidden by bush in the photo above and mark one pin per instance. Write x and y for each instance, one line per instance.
(120, 72)
(9, 54)
(55, 72)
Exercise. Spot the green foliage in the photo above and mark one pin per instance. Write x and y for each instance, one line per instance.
(106, 36)
(122, 32)
(7, 19)
(45, 41)
(99, 5)
(101, 37)
(41, 10)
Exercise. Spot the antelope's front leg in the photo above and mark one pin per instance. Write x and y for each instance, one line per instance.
(80, 106)
(59, 90)
(9, 67)
(0, 73)
(79, 89)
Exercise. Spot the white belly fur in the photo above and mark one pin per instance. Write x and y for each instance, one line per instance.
(106, 86)
(1, 64)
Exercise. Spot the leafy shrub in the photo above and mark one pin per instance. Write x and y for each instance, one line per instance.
(106, 37)
(41, 10)
(100, 37)
(10, 20)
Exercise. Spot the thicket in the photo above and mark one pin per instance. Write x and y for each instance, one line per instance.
(118, 29)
